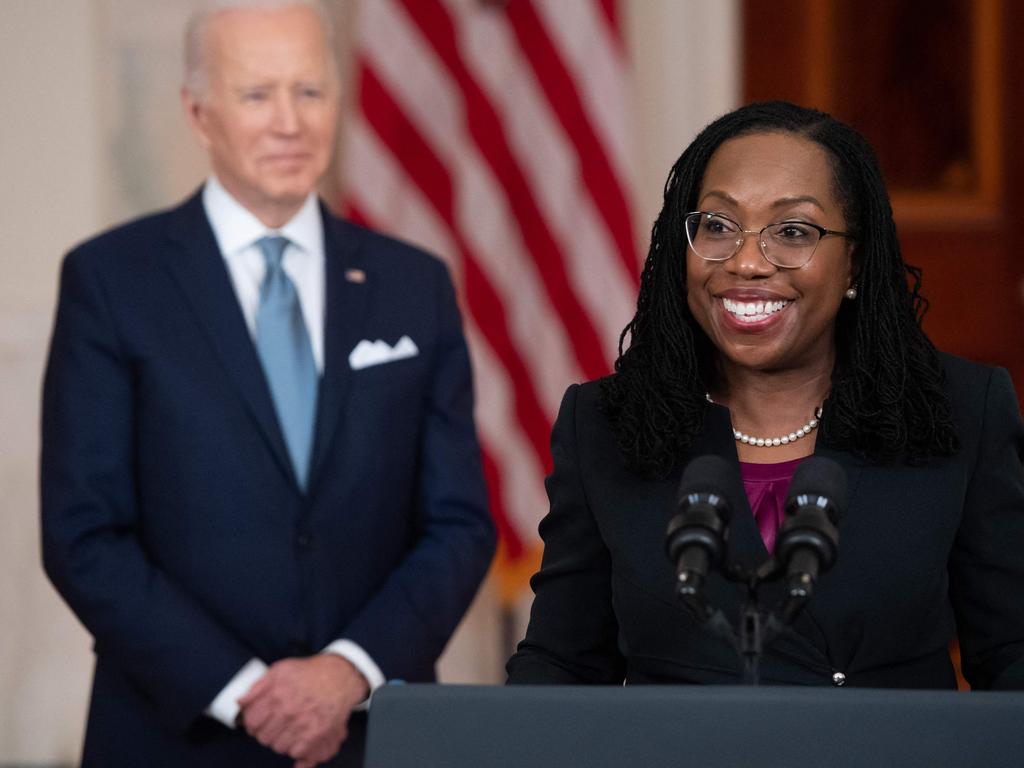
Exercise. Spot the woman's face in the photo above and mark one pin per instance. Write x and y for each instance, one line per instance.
(757, 180)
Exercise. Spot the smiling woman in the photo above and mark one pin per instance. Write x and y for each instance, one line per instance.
(845, 325)
(777, 319)
(773, 327)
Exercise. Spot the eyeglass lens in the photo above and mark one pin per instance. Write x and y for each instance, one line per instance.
(717, 238)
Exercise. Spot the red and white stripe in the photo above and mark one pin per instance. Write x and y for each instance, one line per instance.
(495, 134)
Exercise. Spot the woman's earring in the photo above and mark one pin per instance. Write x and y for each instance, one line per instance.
(851, 293)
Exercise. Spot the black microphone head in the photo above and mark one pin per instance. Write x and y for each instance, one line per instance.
(708, 475)
(696, 537)
(820, 478)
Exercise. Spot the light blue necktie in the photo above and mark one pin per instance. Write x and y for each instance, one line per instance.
(287, 356)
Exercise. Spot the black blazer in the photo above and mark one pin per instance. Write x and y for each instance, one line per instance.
(172, 521)
(925, 552)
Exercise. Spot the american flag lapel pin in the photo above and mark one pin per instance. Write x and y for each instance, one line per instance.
(355, 275)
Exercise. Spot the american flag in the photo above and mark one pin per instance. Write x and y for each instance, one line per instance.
(495, 134)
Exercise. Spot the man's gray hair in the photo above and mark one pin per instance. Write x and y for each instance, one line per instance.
(197, 78)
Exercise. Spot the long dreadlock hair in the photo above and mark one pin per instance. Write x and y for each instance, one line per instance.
(887, 398)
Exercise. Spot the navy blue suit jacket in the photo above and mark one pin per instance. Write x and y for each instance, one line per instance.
(172, 521)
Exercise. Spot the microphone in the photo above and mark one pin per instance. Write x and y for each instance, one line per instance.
(696, 537)
(808, 541)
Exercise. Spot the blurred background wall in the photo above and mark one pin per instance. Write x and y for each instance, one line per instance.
(92, 134)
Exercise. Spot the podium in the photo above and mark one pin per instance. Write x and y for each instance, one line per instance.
(423, 726)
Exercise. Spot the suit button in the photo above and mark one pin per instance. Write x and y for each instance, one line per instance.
(838, 679)
(304, 540)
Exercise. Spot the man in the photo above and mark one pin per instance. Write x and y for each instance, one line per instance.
(261, 487)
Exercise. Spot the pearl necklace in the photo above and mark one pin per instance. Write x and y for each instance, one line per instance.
(771, 442)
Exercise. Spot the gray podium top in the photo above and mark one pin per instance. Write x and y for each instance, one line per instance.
(422, 726)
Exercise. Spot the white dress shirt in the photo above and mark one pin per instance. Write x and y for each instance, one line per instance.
(236, 231)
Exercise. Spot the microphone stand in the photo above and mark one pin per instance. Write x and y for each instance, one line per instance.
(756, 629)
(806, 545)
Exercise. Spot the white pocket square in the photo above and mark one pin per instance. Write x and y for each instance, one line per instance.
(367, 353)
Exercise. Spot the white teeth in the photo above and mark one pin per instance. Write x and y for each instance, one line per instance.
(752, 311)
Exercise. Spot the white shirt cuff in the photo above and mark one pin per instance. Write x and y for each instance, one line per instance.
(361, 660)
(225, 706)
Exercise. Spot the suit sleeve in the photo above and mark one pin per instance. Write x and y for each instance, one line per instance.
(572, 635)
(406, 624)
(987, 562)
(170, 649)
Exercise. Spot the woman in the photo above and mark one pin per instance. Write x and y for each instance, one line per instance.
(775, 322)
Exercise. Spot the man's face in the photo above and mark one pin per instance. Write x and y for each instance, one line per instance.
(269, 113)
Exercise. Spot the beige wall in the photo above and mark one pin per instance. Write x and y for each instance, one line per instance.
(49, 167)
(92, 135)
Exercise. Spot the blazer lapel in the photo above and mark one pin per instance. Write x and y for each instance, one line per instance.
(196, 264)
(349, 284)
(851, 464)
(746, 547)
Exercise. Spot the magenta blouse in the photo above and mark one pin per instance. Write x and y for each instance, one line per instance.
(766, 486)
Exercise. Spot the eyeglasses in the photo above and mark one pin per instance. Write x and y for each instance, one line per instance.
(786, 244)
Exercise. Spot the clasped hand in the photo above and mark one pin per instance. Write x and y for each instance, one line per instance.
(300, 707)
